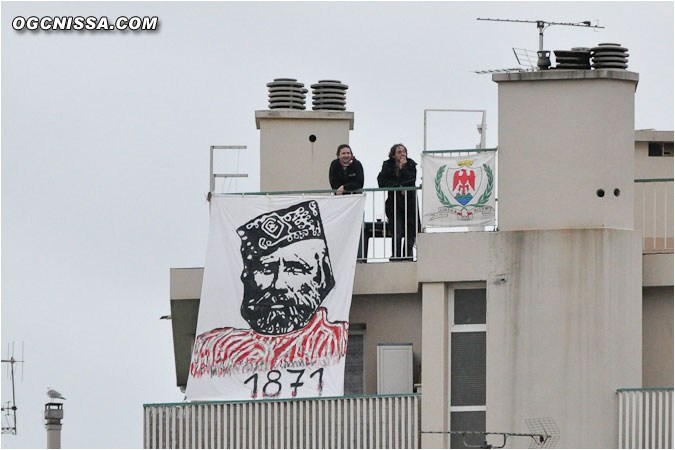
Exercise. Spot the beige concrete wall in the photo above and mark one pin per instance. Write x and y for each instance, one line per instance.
(385, 278)
(185, 283)
(564, 331)
(657, 336)
(369, 278)
(654, 166)
(184, 293)
(657, 269)
(288, 159)
(562, 137)
(394, 318)
(651, 135)
(453, 256)
(435, 352)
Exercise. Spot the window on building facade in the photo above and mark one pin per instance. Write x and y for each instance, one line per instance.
(467, 365)
(660, 149)
(354, 369)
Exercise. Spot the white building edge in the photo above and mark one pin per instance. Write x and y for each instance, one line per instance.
(577, 291)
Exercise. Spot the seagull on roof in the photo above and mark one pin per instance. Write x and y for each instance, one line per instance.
(54, 394)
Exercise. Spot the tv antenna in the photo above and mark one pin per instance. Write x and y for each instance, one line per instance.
(543, 24)
(526, 58)
(527, 62)
(9, 408)
(544, 433)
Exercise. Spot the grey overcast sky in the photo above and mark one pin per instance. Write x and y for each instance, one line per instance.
(105, 140)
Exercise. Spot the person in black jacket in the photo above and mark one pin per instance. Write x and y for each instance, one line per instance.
(346, 177)
(346, 172)
(400, 171)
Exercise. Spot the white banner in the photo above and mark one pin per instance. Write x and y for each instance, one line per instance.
(458, 191)
(277, 289)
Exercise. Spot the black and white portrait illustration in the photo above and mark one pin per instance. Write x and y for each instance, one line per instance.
(287, 269)
(282, 294)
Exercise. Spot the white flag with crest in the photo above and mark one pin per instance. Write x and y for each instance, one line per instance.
(458, 191)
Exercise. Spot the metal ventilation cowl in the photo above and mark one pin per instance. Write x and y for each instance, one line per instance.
(286, 93)
(329, 95)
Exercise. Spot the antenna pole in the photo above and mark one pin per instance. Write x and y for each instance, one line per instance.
(483, 131)
(540, 27)
(11, 406)
(13, 394)
(542, 24)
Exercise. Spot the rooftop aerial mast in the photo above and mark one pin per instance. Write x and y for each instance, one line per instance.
(543, 24)
(9, 408)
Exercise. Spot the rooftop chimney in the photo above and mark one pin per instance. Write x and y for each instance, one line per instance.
(53, 416)
(296, 146)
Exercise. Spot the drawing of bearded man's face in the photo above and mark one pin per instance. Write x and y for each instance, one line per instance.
(283, 289)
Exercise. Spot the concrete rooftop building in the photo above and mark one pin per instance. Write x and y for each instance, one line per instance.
(558, 323)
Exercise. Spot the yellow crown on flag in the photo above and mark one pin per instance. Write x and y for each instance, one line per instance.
(465, 162)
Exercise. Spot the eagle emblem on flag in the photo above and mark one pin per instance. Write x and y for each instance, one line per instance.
(464, 187)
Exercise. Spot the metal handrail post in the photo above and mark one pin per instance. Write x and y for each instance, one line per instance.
(395, 236)
(665, 216)
(417, 212)
(212, 179)
(405, 223)
(384, 222)
(372, 228)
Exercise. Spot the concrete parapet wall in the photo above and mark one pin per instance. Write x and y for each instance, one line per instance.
(386, 278)
(657, 269)
(564, 331)
(449, 257)
(185, 283)
(657, 336)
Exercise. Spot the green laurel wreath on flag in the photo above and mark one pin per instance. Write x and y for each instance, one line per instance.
(439, 193)
(481, 201)
(488, 190)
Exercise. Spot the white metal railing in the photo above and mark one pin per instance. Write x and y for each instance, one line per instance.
(645, 418)
(379, 421)
(378, 235)
(654, 214)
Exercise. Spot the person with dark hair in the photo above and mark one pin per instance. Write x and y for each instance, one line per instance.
(401, 205)
(346, 177)
(346, 172)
